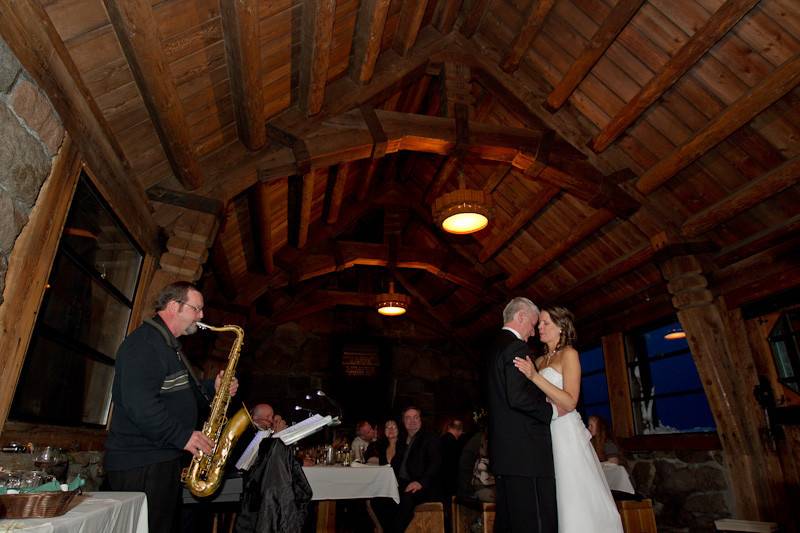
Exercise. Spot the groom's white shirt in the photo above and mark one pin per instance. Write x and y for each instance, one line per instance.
(515, 332)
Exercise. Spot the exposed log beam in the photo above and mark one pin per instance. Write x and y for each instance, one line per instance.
(348, 137)
(222, 270)
(30, 33)
(716, 27)
(432, 260)
(530, 29)
(782, 80)
(451, 166)
(261, 215)
(366, 181)
(503, 234)
(496, 178)
(411, 15)
(322, 300)
(194, 202)
(151, 72)
(582, 231)
(232, 168)
(316, 48)
(307, 201)
(367, 39)
(343, 173)
(758, 242)
(614, 270)
(456, 83)
(243, 52)
(743, 198)
(446, 15)
(474, 18)
(605, 35)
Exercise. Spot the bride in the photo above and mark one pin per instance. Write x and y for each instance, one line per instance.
(584, 499)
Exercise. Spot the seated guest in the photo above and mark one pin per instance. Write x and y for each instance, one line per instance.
(365, 435)
(388, 449)
(451, 444)
(475, 480)
(417, 474)
(603, 444)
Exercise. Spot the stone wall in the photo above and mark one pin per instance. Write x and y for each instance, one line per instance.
(30, 136)
(689, 489)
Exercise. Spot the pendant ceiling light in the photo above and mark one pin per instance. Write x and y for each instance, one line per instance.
(675, 334)
(462, 211)
(392, 303)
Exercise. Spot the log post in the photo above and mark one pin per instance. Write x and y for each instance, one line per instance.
(718, 342)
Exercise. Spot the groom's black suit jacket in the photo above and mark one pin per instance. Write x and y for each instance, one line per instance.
(519, 415)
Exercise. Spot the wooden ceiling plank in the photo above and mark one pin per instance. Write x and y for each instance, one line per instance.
(605, 35)
(496, 178)
(758, 242)
(342, 175)
(772, 88)
(612, 271)
(743, 198)
(411, 15)
(449, 168)
(30, 34)
(716, 27)
(240, 21)
(446, 15)
(151, 72)
(474, 18)
(318, 17)
(262, 224)
(501, 236)
(367, 39)
(581, 232)
(527, 34)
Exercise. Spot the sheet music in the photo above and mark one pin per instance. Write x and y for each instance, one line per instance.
(289, 436)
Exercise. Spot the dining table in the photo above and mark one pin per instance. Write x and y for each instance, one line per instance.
(90, 512)
(617, 477)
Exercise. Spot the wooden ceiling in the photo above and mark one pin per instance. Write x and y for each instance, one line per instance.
(606, 133)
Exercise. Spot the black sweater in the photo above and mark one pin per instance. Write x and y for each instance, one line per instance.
(155, 403)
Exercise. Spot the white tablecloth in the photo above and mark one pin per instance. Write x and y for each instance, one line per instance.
(96, 512)
(345, 483)
(617, 477)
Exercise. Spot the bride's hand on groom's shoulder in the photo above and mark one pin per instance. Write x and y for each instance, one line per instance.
(525, 366)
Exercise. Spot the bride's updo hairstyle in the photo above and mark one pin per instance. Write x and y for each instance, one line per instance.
(565, 320)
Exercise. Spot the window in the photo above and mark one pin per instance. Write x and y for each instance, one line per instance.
(784, 339)
(666, 391)
(594, 386)
(69, 366)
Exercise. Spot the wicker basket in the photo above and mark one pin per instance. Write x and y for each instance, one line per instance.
(37, 505)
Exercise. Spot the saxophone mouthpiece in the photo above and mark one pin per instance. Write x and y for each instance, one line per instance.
(201, 325)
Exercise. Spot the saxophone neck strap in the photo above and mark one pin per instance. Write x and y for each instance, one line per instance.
(173, 343)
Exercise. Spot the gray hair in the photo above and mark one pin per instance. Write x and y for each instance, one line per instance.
(520, 303)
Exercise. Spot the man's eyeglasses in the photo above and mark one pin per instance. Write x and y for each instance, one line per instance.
(196, 309)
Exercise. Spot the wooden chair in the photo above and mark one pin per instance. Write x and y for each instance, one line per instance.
(637, 517)
(729, 524)
(428, 518)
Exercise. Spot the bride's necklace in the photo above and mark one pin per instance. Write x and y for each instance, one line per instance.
(548, 356)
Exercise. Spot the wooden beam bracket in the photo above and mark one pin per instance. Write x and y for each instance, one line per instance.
(379, 137)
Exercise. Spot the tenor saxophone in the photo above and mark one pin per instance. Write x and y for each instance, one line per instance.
(204, 475)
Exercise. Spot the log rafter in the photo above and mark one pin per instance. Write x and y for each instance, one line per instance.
(534, 21)
(411, 15)
(367, 39)
(317, 38)
(150, 70)
(716, 27)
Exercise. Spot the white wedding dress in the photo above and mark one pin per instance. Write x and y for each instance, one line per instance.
(585, 504)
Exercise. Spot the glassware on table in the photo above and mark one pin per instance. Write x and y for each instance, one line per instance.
(52, 461)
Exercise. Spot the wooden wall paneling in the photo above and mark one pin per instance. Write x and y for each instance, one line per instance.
(717, 26)
(318, 16)
(533, 23)
(147, 62)
(29, 267)
(28, 31)
(240, 21)
(616, 21)
(411, 16)
(782, 80)
(367, 39)
(745, 197)
(619, 391)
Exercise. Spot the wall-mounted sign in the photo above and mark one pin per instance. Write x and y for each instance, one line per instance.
(360, 362)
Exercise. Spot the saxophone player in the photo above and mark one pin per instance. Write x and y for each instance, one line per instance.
(155, 412)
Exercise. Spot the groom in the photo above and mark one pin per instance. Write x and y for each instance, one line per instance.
(520, 449)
